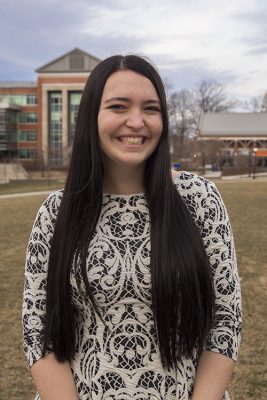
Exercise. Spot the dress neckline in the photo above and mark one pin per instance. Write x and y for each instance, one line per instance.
(123, 195)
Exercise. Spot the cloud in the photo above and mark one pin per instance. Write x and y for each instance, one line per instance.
(257, 18)
(189, 40)
(252, 26)
(258, 51)
(12, 71)
(189, 73)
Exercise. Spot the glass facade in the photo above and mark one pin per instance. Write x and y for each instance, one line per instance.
(8, 132)
(55, 129)
(74, 102)
(19, 99)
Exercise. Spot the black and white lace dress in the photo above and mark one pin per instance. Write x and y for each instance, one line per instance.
(120, 360)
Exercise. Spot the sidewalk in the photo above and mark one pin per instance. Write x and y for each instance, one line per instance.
(219, 176)
(15, 195)
(259, 177)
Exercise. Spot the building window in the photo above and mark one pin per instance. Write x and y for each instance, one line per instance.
(27, 153)
(31, 99)
(27, 136)
(74, 102)
(55, 129)
(19, 99)
(28, 117)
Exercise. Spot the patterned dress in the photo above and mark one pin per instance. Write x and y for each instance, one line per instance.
(120, 359)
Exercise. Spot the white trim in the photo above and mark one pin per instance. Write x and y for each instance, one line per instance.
(236, 138)
(64, 74)
(66, 85)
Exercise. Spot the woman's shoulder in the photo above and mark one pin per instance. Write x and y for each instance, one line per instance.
(47, 213)
(54, 198)
(189, 182)
(200, 195)
(50, 206)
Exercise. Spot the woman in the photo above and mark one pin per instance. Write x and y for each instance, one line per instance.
(131, 287)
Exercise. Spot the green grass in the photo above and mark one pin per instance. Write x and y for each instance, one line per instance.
(247, 206)
(30, 186)
(17, 216)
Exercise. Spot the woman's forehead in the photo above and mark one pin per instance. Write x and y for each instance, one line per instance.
(122, 83)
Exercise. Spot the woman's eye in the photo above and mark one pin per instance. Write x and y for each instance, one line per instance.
(153, 109)
(118, 107)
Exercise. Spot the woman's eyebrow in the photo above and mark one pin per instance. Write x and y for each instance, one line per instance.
(117, 99)
(151, 101)
(125, 99)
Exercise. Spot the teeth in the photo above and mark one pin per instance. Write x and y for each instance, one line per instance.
(131, 140)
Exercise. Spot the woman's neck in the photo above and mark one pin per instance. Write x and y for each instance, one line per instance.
(123, 180)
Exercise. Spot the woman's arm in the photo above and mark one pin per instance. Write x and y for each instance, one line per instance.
(54, 380)
(217, 361)
(213, 375)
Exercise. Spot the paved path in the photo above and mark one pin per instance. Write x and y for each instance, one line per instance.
(15, 195)
(228, 179)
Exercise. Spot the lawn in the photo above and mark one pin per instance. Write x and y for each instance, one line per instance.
(247, 206)
(31, 186)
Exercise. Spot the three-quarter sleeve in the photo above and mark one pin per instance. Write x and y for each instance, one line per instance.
(34, 296)
(225, 335)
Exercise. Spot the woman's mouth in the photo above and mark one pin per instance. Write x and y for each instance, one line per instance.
(132, 140)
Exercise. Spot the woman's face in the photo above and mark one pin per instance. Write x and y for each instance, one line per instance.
(129, 120)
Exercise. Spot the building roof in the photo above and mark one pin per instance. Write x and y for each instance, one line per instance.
(75, 60)
(232, 124)
(14, 84)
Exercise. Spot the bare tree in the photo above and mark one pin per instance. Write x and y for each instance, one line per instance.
(168, 86)
(211, 97)
(185, 107)
(264, 103)
(181, 108)
(256, 104)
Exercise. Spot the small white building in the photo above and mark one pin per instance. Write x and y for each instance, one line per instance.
(232, 136)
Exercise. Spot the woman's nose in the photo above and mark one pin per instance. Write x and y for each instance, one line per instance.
(135, 120)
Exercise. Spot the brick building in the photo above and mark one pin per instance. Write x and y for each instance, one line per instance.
(37, 119)
(18, 120)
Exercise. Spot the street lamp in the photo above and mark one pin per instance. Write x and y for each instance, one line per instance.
(254, 162)
(203, 161)
(194, 160)
(250, 162)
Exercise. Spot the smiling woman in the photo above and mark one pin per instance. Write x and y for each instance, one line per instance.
(129, 129)
(131, 285)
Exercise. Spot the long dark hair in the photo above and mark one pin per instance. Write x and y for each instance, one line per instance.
(182, 290)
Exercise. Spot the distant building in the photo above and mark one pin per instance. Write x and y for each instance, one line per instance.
(37, 119)
(18, 120)
(234, 135)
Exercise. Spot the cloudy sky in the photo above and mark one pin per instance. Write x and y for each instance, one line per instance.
(189, 40)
